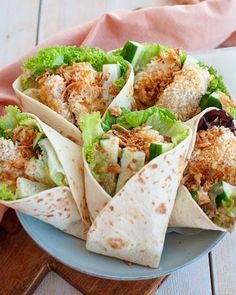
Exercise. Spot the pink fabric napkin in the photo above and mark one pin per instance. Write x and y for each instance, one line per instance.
(200, 26)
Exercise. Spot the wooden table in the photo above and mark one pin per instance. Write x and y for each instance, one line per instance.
(24, 23)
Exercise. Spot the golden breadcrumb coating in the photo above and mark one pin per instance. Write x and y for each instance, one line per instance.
(183, 95)
(153, 79)
(213, 159)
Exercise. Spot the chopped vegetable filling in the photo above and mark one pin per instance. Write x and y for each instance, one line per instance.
(213, 161)
(26, 158)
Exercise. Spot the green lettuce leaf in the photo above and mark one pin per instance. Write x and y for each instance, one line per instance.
(232, 112)
(53, 57)
(55, 169)
(167, 124)
(6, 194)
(12, 118)
(217, 82)
(91, 125)
(160, 119)
(130, 119)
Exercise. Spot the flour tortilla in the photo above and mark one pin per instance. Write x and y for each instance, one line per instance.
(62, 207)
(132, 226)
(59, 123)
(186, 212)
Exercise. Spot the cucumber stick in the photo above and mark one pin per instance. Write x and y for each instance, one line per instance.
(156, 149)
(190, 60)
(111, 147)
(131, 162)
(39, 136)
(211, 100)
(132, 51)
(223, 191)
(27, 188)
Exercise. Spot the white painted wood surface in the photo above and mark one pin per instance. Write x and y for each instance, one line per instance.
(22, 22)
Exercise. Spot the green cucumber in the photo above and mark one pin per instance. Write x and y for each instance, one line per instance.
(194, 195)
(38, 137)
(27, 188)
(189, 60)
(223, 192)
(111, 147)
(131, 52)
(210, 100)
(131, 162)
(156, 149)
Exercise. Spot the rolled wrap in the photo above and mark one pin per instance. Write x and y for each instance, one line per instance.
(132, 225)
(186, 212)
(63, 207)
(58, 122)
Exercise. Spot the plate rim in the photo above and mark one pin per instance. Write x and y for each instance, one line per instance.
(112, 277)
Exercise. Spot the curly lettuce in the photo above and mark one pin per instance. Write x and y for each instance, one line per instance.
(160, 119)
(6, 194)
(217, 82)
(12, 118)
(52, 58)
(232, 112)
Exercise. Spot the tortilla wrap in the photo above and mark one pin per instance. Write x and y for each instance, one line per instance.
(133, 224)
(62, 207)
(186, 212)
(59, 123)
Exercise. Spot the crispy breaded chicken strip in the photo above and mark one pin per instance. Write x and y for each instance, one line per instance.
(85, 98)
(84, 91)
(213, 159)
(183, 95)
(52, 88)
(12, 162)
(8, 151)
(153, 79)
(82, 71)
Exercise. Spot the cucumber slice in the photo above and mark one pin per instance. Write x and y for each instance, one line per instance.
(39, 136)
(109, 157)
(156, 149)
(111, 147)
(131, 162)
(113, 73)
(212, 100)
(131, 52)
(223, 192)
(27, 188)
(194, 195)
(190, 60)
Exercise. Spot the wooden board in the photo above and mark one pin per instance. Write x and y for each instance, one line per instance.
(26, 264)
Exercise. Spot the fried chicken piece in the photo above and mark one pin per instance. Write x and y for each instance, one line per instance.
(153, 79)
(52, 88)
(85, 98)
(12, 163)
(84, 93)
(213, 159)
(183, 95)
(24, 136)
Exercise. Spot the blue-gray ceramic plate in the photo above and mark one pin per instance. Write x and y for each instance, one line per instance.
(179, 250)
